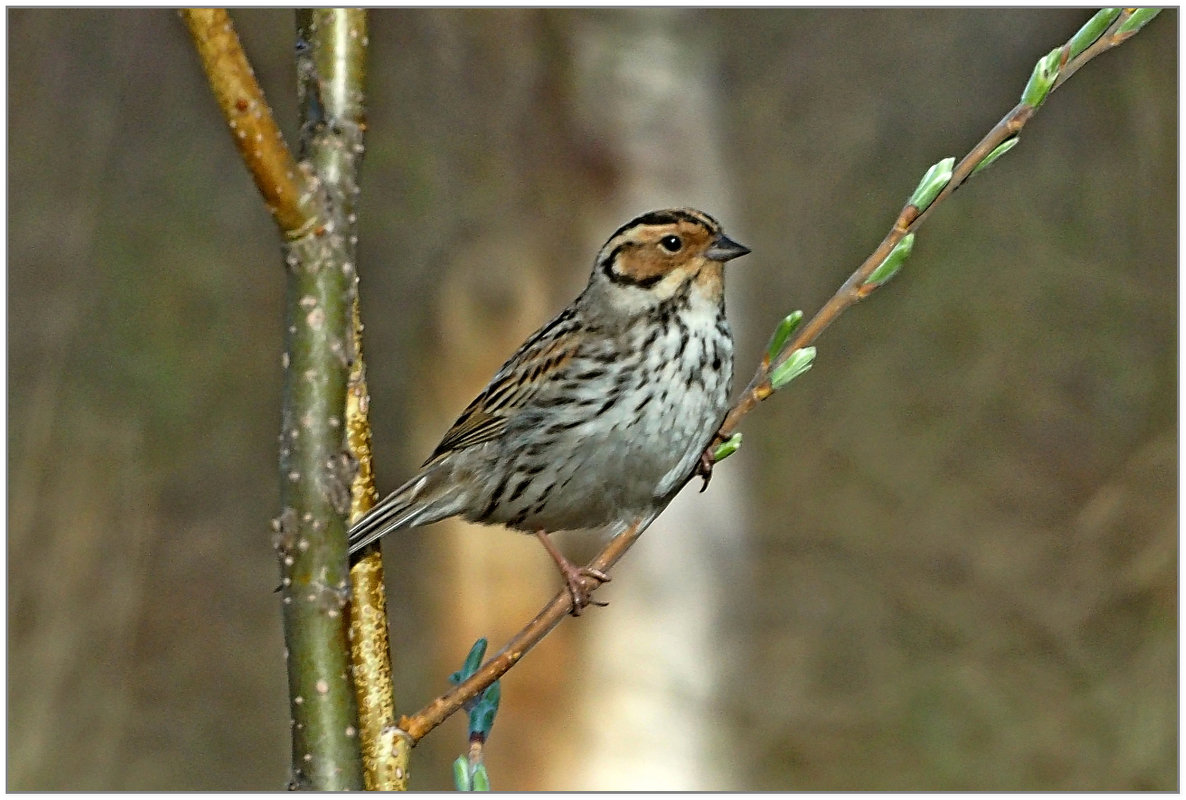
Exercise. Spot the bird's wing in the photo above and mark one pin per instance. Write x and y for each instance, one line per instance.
(519, 379)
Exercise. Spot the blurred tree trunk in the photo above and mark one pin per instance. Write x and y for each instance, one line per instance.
(632, 126)
(646, 90)
(490, 580)
(515, 257)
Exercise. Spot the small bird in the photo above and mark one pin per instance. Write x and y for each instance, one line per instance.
(603, 414)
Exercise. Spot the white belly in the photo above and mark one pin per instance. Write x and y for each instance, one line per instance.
(626, 441)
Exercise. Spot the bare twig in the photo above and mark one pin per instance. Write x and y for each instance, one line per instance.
(560, 606)
(909, 219)
(856, 288)
(250, 120)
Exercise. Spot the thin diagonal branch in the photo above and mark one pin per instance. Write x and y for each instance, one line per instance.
(854, 289)
(249, 117)
(909, 220)
(440, 709)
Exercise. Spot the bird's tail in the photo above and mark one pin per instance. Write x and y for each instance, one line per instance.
(417, 502)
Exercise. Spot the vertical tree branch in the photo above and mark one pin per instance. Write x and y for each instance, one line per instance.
(385, 749)
(311, 534)
(322, 287)
(313, 205)
(332, 70)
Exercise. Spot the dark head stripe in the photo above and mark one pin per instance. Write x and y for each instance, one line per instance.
(668, 217)
(607, 266)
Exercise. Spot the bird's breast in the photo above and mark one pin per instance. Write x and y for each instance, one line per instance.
(621, 425)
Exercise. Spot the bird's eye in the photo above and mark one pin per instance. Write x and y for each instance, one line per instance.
(671, 243)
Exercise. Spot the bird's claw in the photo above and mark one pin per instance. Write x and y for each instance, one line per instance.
(575, 576)
(581, 595)
(704, 465)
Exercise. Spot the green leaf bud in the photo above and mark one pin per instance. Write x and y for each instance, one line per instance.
(1042, 80)
(1093, 30)
(481, 780)
(782, 333)
(1137, 20)
(998, 151)
(727, 448)
(931, 184)
(461, 775)
(798, 363)
(893, 262)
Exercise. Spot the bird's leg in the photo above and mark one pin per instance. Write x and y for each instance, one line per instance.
(704, 465)
(572, 576)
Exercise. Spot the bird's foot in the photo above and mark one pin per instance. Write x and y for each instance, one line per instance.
(575, 577)
(704, 465)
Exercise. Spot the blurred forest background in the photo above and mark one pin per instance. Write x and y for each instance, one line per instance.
(946, 558)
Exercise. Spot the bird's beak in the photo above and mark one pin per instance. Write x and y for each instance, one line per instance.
(724, 249)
